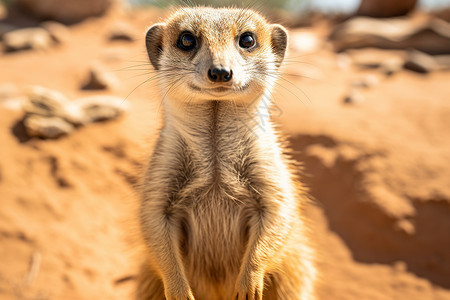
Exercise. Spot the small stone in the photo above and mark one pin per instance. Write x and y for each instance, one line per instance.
(100, 108)
(8, 90)
(49, 103)
(385, 8)
(58, 32)
(344, 61)
(443, 62)
(122, 32)
(420, 62)
(10, 97)
(367, 81)
(405, 226)
(400, 266)
(354, 97)
(66, 11)
(46, 127)
(28, 38)
(392, 65)
(305, 42)
(45, 102)
(99, 79)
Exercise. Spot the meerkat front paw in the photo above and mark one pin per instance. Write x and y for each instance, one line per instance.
(180, 296)
(180, 291)
(249, 287)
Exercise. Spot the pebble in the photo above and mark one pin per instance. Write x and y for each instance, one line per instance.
(59, 33)
(10, 97)
(122, 32)
(400, 266)
(49, 103)
(354, 97)
(50, 114)
(443, 61)
(45, 102)
(305, 42)
(405, 226)
(392, 65)
(100, 108)
(344, 61)
(99, 79)
(420, 62)
(47, 127)
(368, 81)
(28, 38)
(66, 11)
(8, 90)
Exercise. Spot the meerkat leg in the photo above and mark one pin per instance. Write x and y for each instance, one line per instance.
(269, 230)
(162, 235)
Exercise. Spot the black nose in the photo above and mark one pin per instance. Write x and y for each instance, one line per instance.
(220, 75)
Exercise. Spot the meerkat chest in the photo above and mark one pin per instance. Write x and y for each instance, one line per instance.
(215, 200)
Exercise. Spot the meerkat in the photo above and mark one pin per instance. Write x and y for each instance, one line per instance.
(221, 212)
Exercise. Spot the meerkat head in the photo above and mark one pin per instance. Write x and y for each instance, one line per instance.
(216, 54)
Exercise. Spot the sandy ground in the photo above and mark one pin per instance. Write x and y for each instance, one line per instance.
(378, 171)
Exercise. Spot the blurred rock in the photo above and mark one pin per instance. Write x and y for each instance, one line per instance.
(400, 266)
(420, 62)
(99, 79)
(115, 54)
(354, 97)
(431, 36)
(385, 8)
(7, 90)
(27, 38)
(10, 97)
(122, 32)
(366, 81)
(405, 226)
(45, 102)
(344, 61)
(49, 114)
(66, 11)
(392, 65)
(387, 62)
(443, 62)
(100, 108)
(49, 103)
(59, 32)
(46, 127)
(305, 41)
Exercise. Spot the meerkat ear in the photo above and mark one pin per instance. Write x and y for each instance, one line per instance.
(153, 42)
(279, 43)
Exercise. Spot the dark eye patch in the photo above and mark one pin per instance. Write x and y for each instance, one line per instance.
(187, 41)
(247, 40)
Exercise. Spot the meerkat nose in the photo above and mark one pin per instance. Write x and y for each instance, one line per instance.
(222, 74)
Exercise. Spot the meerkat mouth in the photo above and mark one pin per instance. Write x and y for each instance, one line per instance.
(220, 90)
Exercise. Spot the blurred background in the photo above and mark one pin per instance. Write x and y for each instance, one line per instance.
(364, 96)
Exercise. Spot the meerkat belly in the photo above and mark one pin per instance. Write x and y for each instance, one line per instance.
(215, 240)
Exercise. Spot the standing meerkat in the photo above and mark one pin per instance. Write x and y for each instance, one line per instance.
(221, 214)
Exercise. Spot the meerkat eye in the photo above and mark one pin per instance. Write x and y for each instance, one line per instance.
(187, 41)
(247, 40)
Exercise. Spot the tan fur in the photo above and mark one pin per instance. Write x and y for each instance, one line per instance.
(221, 214)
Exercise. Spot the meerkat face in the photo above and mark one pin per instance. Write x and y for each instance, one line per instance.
(216, 54)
